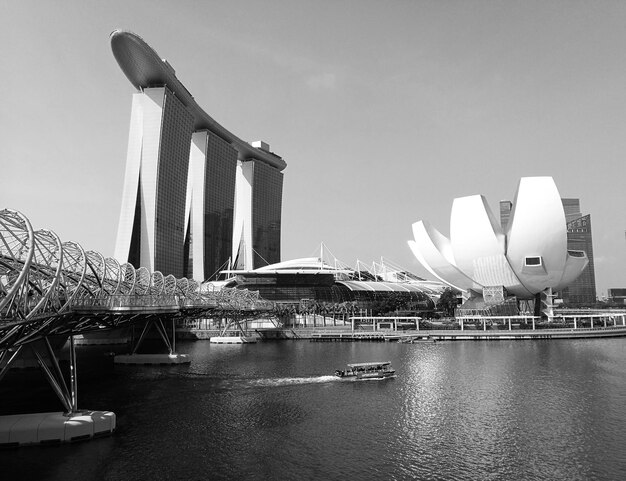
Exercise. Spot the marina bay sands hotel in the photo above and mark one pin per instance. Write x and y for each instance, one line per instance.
(195, 195)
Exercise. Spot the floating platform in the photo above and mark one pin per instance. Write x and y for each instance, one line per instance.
(54, 428)
(233, 340)
(152, 359)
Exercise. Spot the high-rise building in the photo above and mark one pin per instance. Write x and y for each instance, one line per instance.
(152, 221)
(582, 291)
(257, 222)
(195, 195)
(211, 189)
(505, 213)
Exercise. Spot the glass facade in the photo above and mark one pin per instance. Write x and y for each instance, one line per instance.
(267, 193)
(571, 207)
(176, 130)
(505, 213)
(219, 203)
(581, 292)
(134, 254)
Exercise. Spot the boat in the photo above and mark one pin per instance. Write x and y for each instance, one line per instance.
(416, 339)
(367, 370)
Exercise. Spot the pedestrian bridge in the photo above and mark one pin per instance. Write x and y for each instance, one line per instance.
(49, 287)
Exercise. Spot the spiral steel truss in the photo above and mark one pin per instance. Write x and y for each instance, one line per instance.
(49, 287)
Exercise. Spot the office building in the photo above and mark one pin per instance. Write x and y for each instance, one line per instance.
(581, 292)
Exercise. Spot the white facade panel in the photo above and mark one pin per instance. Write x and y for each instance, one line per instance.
(152, 104)
(537, 228)
(478, 244)
(242, 229)
(434, 251)
(195, 194)
(131, 182)
(574, 266)
(530, 257)
(141, 173)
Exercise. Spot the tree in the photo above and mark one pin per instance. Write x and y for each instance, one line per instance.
(448, 301)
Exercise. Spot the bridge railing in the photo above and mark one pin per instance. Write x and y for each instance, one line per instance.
(113, 302)
(43, 280)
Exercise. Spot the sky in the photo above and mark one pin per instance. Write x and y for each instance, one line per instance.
(384, 111)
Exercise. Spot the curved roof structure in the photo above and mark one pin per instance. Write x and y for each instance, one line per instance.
(349, 278)
(144, 68)
(531, 256)
(382, 286)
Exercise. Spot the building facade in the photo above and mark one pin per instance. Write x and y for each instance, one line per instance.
(309, 281)
(258, 219)
(582, 291)
(528, 260)
(151, 227)
(196, 197)
(211, 189)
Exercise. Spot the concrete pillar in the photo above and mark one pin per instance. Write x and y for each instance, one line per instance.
(461, 321)
(592, 323)
(575, 323)
(509, 323)
(484, 324)
(533, 323)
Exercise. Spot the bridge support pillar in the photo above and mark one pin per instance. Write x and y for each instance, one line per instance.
(52, 427)
(155, 358)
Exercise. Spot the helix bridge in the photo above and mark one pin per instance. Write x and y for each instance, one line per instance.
(52, 290)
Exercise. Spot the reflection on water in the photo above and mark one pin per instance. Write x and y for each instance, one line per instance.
(459, 410)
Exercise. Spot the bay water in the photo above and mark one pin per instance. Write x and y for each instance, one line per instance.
(464, 410)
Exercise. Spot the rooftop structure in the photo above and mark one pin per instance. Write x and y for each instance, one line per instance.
(311, 280)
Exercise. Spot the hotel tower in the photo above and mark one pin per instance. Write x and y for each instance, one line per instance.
(196, 197)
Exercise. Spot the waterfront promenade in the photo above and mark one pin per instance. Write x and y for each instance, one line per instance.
(343, 334)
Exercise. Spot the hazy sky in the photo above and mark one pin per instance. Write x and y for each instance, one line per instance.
(384, 110)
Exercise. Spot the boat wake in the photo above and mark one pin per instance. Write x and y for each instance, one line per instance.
(292, 381)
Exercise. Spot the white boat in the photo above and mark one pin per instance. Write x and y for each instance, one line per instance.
(232, 339)
(416, 339)
(367, 370)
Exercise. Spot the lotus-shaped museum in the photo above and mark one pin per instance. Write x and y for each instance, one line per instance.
(525, 257)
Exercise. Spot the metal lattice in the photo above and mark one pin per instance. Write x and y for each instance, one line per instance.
(49, 287)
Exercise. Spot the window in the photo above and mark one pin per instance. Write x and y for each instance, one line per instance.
(533, 261)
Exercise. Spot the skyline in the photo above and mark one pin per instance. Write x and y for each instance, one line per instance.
(362, 103)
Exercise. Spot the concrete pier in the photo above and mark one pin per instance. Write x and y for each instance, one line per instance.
(54, 428)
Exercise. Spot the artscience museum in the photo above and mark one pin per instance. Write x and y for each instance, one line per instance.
(498, 266)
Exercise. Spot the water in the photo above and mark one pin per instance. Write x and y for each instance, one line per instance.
(504, 410)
